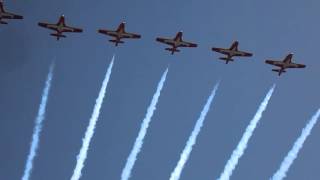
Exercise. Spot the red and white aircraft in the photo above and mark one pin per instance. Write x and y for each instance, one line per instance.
(284, 64)
(60, 27)
(7, 15)
(231, 52)
(176, 43)
(119, 34)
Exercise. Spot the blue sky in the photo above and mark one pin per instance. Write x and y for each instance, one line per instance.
(269, 29)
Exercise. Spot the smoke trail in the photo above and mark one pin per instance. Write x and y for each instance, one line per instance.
(293, 153)
(126, 172)
(238, 152)
(38, 126)
(175, 175)
(92, 124)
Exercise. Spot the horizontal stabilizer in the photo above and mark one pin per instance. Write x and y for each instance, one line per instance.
(226, 59)
(58, 35)
(173, 49)
(278, 70)
(116, 41)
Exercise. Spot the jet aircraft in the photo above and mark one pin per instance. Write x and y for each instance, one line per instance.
(60, 27)
(231, 52)
(7, 15)
(119, 34)
(284, 64)
(176, 42)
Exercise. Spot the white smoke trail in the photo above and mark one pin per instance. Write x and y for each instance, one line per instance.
(238, 152)
(293, 153)
(175, 175)
(38, 126)
(92, 125)
(126, 172)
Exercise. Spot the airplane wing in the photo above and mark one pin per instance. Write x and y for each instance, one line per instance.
(244, 54)
(187, 44)
(166, 41)
(11, 16)
(7, 15)
(72, 29)
(275, 63)
(131, 35)
(294, 65)
(123, 35)
(172, 42)
(48, 26)
(220, 50)
(107, 32)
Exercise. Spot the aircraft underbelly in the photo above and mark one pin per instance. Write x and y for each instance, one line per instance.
(112, 33)
(177, 44)
(228, 52)
(52, 26)
(170, 41)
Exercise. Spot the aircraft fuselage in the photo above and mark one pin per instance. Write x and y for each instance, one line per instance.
(116, 34)
(175, 43)
(232, 53)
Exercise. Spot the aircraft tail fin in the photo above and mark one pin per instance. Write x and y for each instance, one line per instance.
(1, 6)
(62, 20)
(121, 27)
(178, 36)
(173, 50)
(234, 46)
(280, 71)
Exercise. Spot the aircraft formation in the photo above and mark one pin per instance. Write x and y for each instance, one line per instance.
(120, 33)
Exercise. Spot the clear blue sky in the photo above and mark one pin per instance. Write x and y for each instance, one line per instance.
(269, 29)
